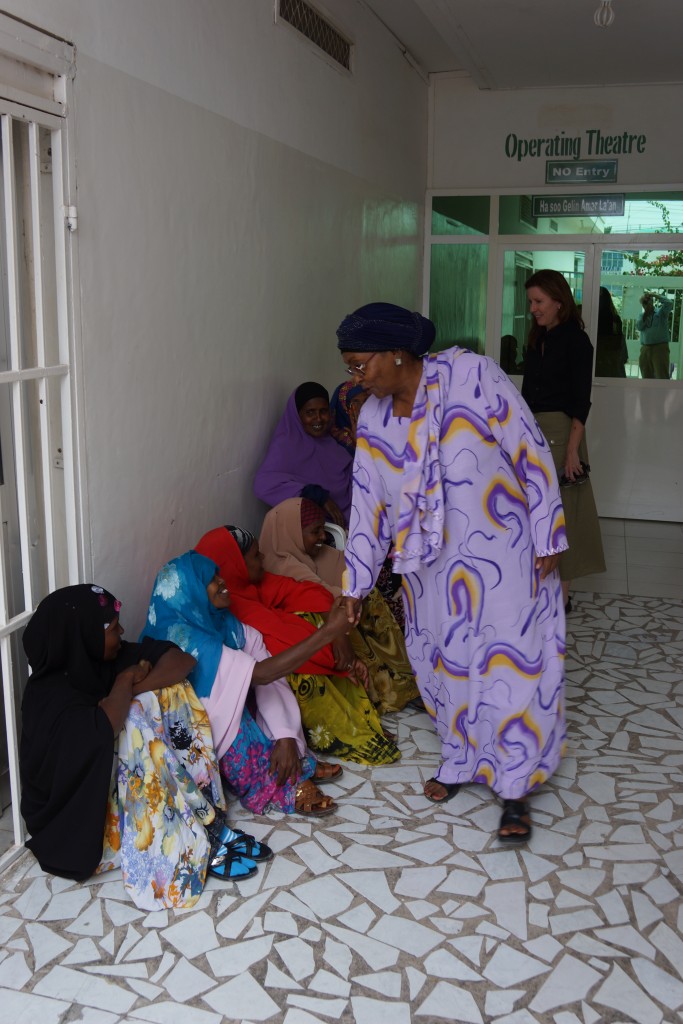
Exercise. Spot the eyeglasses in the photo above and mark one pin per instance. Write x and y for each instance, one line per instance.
(359, 368)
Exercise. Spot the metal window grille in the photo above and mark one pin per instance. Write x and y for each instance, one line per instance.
(38, 523)
(525, 214)
(305, 19)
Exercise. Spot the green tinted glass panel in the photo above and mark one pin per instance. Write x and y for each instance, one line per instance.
(460, 215)
(644, 212)
(636, 338)
(517, 269)
(457, 301)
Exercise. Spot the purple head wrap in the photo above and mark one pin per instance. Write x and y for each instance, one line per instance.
(295, 461)
(383, 327)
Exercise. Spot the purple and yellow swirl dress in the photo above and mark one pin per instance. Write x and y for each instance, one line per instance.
(466, 490)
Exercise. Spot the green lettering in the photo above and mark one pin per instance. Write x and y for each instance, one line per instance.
(591, 133)
(640, 144)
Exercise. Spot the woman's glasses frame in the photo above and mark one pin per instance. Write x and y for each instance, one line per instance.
(358, 369)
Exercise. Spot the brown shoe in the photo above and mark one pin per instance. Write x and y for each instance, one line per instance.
(310, 801)
(326, 772)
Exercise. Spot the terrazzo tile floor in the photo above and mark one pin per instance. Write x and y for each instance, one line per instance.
(396, 909)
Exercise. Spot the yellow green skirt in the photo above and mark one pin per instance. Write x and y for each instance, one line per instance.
(379, 642)
(339, 718)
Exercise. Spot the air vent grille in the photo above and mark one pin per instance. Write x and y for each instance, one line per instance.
(305, 19)
(525, 214)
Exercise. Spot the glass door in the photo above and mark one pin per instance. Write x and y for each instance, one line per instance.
(639, 319)
(518, 264)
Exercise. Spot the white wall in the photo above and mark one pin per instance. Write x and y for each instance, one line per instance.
(237, 197)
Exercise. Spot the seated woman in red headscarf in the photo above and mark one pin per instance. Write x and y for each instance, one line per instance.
(338, 717)
(303, 459)
(293, 544)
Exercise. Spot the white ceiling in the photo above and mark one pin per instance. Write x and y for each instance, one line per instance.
(518, 44)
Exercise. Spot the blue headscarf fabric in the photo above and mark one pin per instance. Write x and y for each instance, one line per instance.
(384, 327)
(180, 610)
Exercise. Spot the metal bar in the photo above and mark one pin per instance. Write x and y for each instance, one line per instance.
(34, 373)
(4, 626)
(43, 389)
(27, 99)
(60, 200)
(11, 728)
(13, 306)
(16, 622)
(21, 113)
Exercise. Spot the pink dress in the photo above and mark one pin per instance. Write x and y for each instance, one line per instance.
(243, 741)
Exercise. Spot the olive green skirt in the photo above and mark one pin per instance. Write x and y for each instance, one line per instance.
(585, 555)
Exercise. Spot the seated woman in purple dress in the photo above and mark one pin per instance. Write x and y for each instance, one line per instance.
(304, 460)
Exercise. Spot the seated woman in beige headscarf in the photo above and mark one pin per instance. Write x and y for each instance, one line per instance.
(293, 544)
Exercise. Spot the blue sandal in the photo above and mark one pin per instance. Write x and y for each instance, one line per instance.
(223, 837)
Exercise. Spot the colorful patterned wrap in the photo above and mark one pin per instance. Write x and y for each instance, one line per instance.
(165, 787)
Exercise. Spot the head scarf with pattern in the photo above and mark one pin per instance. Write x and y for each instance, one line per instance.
(180, 610)
(384, 327)
(243, 538)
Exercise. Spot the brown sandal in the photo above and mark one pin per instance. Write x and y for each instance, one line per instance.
(309, 800)
(326, 772)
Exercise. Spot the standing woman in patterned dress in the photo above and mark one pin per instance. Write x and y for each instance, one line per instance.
(451, 467)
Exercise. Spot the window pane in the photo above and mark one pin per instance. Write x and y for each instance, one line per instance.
(457, 301)
(45, 514)
(637, 338)
(19, 677)
(517, 268)
(643, 212)
(460, 215)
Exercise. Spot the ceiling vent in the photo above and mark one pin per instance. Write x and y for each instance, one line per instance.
(310, 23)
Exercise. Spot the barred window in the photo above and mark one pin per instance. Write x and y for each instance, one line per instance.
(306, 19)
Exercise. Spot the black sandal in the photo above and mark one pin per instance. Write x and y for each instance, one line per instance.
(515, 812)
(451, 788)
(223, 837)
(248, 846)
(229, 865)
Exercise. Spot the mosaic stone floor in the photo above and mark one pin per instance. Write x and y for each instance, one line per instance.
(395, 909)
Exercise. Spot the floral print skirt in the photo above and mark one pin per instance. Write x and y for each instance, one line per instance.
(246, 769)
(165, 788)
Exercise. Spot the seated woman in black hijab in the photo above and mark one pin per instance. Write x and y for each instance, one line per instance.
(112, 772)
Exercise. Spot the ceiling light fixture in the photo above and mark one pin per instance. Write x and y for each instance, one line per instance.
(604, 16)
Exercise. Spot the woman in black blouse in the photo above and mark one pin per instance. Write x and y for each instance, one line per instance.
(557, 387)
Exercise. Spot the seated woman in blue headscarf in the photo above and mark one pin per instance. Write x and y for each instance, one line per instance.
(190, 606)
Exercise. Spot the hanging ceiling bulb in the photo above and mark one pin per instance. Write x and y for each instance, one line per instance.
(604, 16)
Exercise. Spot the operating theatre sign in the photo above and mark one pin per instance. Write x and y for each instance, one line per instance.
(591, 143)
(588, 158)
